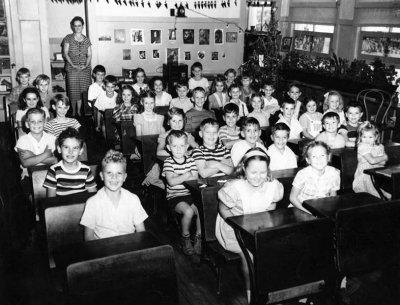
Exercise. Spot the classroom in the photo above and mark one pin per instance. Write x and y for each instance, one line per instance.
(200, 152)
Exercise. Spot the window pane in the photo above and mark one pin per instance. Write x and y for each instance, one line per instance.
(303, 27)
(375, 29)
(324, 28)
(395, 30)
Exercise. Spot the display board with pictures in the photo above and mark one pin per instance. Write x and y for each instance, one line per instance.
(383, 45)
(5, 66)
(312, 42)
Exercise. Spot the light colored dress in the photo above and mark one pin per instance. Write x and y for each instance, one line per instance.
(362, 182)
(236, 195)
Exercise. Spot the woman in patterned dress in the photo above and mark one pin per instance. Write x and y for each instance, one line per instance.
(77, 54)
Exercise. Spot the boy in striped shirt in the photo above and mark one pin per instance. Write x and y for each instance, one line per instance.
(211, 157)
(229, 133)
(177, 169)
(69, 176)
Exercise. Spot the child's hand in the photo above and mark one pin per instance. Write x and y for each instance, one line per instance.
(146, 181)
(213, 164)
(47, 152)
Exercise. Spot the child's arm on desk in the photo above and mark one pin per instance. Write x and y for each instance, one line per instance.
(294, 198)
(224, 211)
(28, 158)
(161, 151)
(140, 227)
(377, 159)
(204, 169)
(89, 234)
(175, 179)
(229, 143)
(225, 165)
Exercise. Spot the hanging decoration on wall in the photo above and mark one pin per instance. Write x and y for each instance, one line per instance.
(201, 54)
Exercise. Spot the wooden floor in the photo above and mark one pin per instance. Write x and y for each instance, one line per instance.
(24, 277)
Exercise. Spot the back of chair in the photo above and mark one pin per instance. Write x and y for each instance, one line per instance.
(128, 135)
(161, 110)
(346, 162)
(38, 175)
(294, 255)
(140, 277)
(62, 227)
(109, 126)
(87, 107)
(393, 152)
(367, 237)
(210, 211)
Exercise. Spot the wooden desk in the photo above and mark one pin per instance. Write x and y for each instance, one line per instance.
(148, 148)
(386, 178)
(287, 245)
(93, 249)
(37, 175)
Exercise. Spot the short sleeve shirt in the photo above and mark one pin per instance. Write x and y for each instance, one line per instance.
(108, 220)
(240, 148)
(164, 100)
(185, 105)
(219, 153)
(55, 127)
(28, 142)
(281, 161)
(203, 83)
(295, 128)
(94, 91)
(104, 102)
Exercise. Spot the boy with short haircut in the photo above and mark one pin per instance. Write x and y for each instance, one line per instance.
(246, 90)
(96, 88)
(113, 211)
(234, 93)
(197, 79)
(177, 169)
(229, 133)
(354, 113)
(37, 146)
(60, 104)
(196, 115)
(288, 117)
(182, 101)
(251, 132)
(69, 176)
(330, 135)
(23, 75)
(271, 104)
(282, 157)
(107, 99)
(211, 157)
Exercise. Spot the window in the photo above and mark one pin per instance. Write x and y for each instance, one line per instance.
(319, 28)
(259, 16)
(384, 29)
(314, 38)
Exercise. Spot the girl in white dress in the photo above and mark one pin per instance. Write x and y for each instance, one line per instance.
(254, 191)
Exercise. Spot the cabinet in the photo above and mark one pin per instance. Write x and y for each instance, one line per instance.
(58, 75)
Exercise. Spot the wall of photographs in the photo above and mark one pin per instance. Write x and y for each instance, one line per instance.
(386, 46)
(5, 68)
(312, 42)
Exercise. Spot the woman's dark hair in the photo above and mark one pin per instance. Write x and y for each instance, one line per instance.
(24, 93)
(76, 18)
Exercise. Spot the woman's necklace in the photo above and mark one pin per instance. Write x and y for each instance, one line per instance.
(78, 38)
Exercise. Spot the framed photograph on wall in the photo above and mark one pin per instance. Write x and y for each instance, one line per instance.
(119, 36)
(386, 46)
(188, 55)
(302, 42)
(5, 84)
(286, 44)
(321, 44)
(156, 54)
(214, 55)
(172, 35)
(218, 36)
(172, 55)
(231, 37)
(201, 54)
(137, 36)
(126, 54)
(142, 54)
(155, 36)
(204, 36)
(188, 36)
(128, 73)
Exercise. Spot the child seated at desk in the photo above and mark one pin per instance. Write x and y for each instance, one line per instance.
(289, 118)
(318, 179)
(127, 104)
(113, 210)
(311, 119)
(182, 101)
(196, 115)
(330, 135)
(97, 87)
(69, 176)
(177, 169)
(107, 99)
(370, 154)
(211, 157)
(162, 98)
(354, 113)
(282, 157)
(148, 122)
(229, 134)
(234, 93)
(254, 191)
(251, 133)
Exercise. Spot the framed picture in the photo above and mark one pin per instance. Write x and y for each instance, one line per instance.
(172, 55)
(383, 45)
(126, 54)
(188, 55)
(2, 9)
(5, 84)
(201, 54)
(218, 36)
(172, 35)
(58, 56)
(204, 36)
(119, 36)
(142, 54)
(57, 72)
(128, 73)
(231, 37)
(302, 42)
(286, 44)
(321, 44)
(214, 55)
(318, 43)
(156, 54)
(137, 36)
(155, 36)
(5, 66)
(188, 36)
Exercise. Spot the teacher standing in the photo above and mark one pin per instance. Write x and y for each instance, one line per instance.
(77, 54)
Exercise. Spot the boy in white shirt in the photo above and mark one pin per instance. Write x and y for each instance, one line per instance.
(282, 157)
(330, 135)
(270, 103)
(197, 79)
(97, 87)
(288, 118)
(182, 101)
(107, 99)
(234, 93)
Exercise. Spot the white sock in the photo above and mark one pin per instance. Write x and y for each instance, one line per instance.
(248, 295)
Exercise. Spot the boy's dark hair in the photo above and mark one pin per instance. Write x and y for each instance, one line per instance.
(99, 68)
(249, 122)
(175, 134)
(196, 65)
(22, 71)
(354, 104)
(245, 75)
(294, 84)
(110, 79)
(77, 18)
(287, 100)
(70, 133)
(269, 83)
(330, 115)
(209, 121)
(198, 89)
(60, 98)
(230, 70)
(234, 86)
(181, 83)
(280, 126)
(34, 111)
(24, 93)
(231, 108)
(156, 78)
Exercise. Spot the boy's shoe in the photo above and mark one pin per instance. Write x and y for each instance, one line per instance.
(186, 244)
(197, 244)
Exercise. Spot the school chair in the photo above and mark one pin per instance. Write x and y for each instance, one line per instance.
(393, 152)
(161, 110)
(37, 175)
(219, 257)
(87, 107)
(128, 135)
(110, 128)
(145, 277)
(346, 162)
(5, 109)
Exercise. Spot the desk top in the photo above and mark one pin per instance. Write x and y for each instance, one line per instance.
(64, 200)
(327, 207)
(37, 168)
(93, 249)
(270, 220)
(385, 171)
